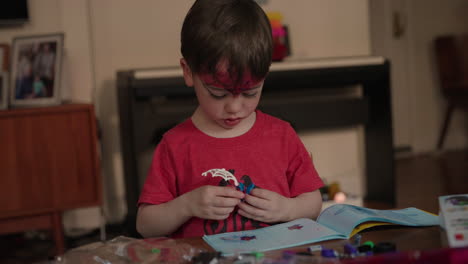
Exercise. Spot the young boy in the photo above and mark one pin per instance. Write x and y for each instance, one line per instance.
(229, 167)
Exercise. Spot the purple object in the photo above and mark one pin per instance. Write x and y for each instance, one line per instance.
(288, 254)
(350, 249)
(329, 253)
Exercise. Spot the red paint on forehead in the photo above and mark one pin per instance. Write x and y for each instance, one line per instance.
(224, 80)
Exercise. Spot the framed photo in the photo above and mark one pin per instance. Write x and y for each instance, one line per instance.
(4, 57)
(35, 70)
(3, 90)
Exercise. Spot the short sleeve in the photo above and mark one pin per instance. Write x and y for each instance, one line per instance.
(160, 183)
(301, 172)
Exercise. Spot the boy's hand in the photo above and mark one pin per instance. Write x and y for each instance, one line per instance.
(266, 206)
(213, 202)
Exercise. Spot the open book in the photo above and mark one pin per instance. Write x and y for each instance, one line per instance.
(339, 221)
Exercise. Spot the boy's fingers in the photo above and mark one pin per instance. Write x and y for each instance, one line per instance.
(230, 192)
(219, 217)
(222, 211)
(226, 202)
(261, 193)
(252, 212)
(257, 202)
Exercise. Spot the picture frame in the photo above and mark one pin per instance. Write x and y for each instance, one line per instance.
(4, 57)
(36, 64)
(3, 90)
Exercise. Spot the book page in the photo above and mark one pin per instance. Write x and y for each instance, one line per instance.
(298, 232)
(344, 218)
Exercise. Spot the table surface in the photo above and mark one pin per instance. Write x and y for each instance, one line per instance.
(405, 239)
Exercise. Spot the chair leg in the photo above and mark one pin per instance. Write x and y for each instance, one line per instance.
(102, 226)
(443, 132)
(57, 231)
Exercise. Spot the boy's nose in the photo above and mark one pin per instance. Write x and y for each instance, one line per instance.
(234, 104)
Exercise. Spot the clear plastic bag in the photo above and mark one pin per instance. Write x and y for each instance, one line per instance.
(130, 250)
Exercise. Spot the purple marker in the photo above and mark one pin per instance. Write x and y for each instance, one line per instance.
(350, 249)
(329, 253)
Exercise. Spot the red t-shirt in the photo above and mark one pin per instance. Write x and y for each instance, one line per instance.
(269, 156)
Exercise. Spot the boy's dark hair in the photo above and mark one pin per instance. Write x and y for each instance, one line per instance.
(233, 31)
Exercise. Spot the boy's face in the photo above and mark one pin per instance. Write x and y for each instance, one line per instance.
(222, 102)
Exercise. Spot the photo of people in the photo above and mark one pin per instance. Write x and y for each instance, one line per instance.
(3, 90)
(36, 68)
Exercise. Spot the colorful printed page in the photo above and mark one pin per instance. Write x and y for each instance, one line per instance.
(298, 232)
(344, 217)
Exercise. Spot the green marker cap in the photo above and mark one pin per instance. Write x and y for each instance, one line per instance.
(369, 243)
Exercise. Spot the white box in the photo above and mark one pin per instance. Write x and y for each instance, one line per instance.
(454, 218)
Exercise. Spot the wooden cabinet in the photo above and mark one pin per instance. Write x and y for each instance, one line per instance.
(48, 163)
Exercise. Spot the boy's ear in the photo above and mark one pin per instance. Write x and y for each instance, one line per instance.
(188, 76)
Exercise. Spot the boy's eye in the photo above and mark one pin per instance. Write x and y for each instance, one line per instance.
(250, 94)
(218, 95)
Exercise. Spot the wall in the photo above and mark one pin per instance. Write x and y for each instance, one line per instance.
(105, 36)
(128, 35)
(418, 106)
(429, 19)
